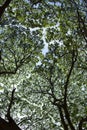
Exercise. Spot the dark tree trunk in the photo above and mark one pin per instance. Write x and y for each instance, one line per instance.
(11, 125)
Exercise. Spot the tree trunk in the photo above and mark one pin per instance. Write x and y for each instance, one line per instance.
(11, 125)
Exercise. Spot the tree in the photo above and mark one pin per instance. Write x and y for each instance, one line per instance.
(43, 55)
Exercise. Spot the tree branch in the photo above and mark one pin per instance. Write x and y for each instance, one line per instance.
(62, 119)
(4, 6)
(69, 74)
(67, 115)
(81, 22)
(83, 120)
(10, 104)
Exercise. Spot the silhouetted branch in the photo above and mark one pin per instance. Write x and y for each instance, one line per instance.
(74, 55)
(83, 120)
(10, 125)
(4, 6)
(62, 119)
(10, 104)
(81, 21)
(67, 115)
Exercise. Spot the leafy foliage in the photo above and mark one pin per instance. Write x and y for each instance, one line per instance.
(43, 48)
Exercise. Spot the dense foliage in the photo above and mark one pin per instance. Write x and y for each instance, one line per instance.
(43, 54)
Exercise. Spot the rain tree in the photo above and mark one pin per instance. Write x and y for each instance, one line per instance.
(43, 64)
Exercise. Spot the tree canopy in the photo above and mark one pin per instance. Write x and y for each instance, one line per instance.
(43, 64)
